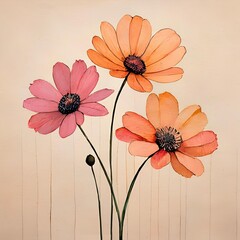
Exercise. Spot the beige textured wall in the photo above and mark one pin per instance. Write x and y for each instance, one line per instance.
(34, 35)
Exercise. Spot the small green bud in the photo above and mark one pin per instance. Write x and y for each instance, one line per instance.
(90, 160)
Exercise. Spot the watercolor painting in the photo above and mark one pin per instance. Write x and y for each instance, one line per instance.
(123, 127)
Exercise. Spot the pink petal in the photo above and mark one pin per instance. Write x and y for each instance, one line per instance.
(68, 125)
(88, 82)
(42, 89)
(79, 117)
(192, 164)
(61, 76)
(98, 96)
(200, 139)
(78, 69)
(45, 123)
(160, 159)
(40, 105)
(199, 151)
(39, 119)
(125, 135)
(201, 144)
(93, 109)
(141, 148)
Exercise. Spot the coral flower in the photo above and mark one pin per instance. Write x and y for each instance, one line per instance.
(172, 137)
(132, 51)
(65, 106)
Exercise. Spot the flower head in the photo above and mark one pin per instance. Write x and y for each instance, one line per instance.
(130, 50)
(65, 106)
(172, 137)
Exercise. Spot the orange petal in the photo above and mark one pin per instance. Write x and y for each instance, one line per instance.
(123, 34)
(152, 110)
(101, 61)
(145, 83)
(102, 48)
(160, 159)
(192, 164)
(179, 168)
(169, 45)
(142, 149)
(118, 74)
(139, 125)
(144, 37)
(165, 76)
(110, 37)
(158, 39)
(200, 150)
(163, 79)
(134, 34)
(139, 83)
(168, 106)
(170, 60)
(125, 135)
(185, 114)
(193, 126)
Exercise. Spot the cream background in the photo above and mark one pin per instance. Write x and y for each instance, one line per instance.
(34, 36)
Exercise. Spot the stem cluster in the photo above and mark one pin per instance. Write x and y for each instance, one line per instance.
(120, 217)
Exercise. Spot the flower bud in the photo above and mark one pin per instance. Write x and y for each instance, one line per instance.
(90, 160)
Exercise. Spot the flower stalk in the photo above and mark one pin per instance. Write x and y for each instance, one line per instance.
(106, 176)
(130, 191)
(110, 149)
(99, 203)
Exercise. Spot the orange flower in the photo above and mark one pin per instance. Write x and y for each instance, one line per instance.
(173, 137)
(130, 49)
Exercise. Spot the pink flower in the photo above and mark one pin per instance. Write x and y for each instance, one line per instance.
(65, 106)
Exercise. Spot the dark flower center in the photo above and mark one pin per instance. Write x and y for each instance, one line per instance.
(168, 138)
(134, 64)
(69, 103)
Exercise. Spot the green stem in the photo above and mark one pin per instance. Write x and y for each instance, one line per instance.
(107, 177)
(99, 203)
(130, 191)
(110, 148)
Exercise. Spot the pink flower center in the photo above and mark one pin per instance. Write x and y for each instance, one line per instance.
(168, 138)
(134, 64)
(69, 103)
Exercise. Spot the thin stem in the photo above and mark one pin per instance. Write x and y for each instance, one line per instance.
(106, 175)
(130, 191)
(110, 148)
(99, 203)
(50, 193)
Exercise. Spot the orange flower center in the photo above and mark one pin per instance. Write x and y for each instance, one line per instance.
(168, 138)
(134, 64)
(69, 103)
